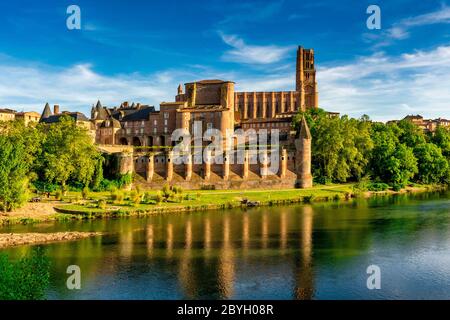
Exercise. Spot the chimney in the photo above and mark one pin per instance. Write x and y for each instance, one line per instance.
(56, 109)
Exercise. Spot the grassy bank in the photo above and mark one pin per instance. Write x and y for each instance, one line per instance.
(103, 204)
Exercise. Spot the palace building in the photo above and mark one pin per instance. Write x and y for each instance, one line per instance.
(130, 131)
(215, 103)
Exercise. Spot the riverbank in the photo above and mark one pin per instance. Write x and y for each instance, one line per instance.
(101, 204)
(17, 239)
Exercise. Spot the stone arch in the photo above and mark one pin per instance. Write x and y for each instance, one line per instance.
(162, 140)
(123, 141)
(137, 142)
(150, 141)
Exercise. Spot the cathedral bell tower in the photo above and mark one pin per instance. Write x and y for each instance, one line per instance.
(306, 83)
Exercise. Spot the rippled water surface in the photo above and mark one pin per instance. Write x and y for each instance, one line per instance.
(297, 252)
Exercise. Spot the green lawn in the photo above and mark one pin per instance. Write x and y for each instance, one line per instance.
(203, 199)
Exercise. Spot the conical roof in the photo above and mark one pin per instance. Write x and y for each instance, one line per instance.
(102, 114)
(304, 129)
(47, 111)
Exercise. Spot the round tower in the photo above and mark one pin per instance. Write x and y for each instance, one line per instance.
(303, 156)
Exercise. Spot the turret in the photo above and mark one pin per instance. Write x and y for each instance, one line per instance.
(303, 156)
(47, 111)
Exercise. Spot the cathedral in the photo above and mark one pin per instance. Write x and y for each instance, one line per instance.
(215, 103)
(142, 136)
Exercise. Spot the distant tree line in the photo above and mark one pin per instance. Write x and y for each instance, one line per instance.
(396, 154)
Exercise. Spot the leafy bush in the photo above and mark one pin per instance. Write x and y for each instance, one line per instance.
(85, 193)
(117, 196)
(322, 180)
(378, 186)
(166, 192)
(362, 185)
(159, 197)
(148, 197)
(43, 186)
(136, 198)
(397, 186)
(107, 185)
(101, 204)
(308, 199)
(58, 195)
(25, 279)
(177, 189)
(125, 180)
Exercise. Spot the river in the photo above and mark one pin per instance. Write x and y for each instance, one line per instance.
(319, 251)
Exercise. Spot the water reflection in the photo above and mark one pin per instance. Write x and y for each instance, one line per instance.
(296, 252)
(304, 286)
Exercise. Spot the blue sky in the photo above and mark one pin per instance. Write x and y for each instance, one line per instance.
(141, 50)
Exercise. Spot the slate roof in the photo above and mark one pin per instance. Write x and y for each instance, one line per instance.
(139, 114)
(77, 116)
(115, 123)
(47, 111)
(6, 110)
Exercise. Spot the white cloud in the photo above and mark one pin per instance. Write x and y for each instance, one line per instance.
(251, 54)
(386, 87)
(28, 87)
(401, 29)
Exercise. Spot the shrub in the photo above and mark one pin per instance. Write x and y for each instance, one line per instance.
(117, 196)
(58, 195)
(125, 180)
(148, 197)
(177, 189)
(101, 204)
(322, 180)
(308, 199)
(159, 197)
(43, 186)
(166, 192)
(187, 197)
(85, 193)
(378, 186)
(136, 198)
(107, 185)
(362, 185)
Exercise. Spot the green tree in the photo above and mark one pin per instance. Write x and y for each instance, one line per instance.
(68, 154)
(441, 138)
(25, 279)
(433, 166)
(13, 170)
(341, 147)
(391, 161)
(401, 166)
(410, 134)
